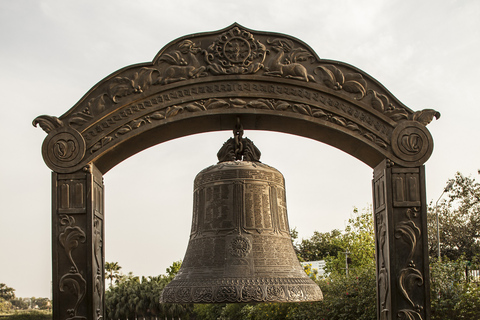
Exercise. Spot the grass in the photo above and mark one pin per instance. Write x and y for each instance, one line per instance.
(28, 315)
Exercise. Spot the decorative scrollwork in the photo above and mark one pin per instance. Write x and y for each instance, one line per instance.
(408, 231)
(237, 290)
(63, 148)
(47, 123)
(235, 103)
(70, 237)
(75, 284)
(335, 79)
(73, 281)
(407, 314)
(410, 275)
(412, 142)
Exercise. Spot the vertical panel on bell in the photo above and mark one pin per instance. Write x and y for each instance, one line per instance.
(77, 245)
(403, 289)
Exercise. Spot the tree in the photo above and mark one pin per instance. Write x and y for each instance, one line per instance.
(112, 270)
(459, 221)
(6, 293)
(320, 246)
(358, 240)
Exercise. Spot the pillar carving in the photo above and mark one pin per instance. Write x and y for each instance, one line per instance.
(403, 285)
(77, 243)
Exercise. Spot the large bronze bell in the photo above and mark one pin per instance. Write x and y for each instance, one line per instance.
(240, 248)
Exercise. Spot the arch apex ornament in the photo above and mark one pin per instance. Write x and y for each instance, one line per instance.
(275, 81)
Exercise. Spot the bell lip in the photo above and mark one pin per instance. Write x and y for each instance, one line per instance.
(265, 290)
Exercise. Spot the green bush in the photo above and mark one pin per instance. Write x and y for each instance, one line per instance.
(453, 298)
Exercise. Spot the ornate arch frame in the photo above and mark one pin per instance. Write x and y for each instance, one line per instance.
(203, 82)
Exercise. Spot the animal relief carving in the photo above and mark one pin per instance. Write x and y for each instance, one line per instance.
(183, 63)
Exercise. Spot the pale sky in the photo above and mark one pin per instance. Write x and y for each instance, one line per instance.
(53, 52)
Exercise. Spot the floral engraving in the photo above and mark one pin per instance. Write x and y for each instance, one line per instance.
(383, 273)
(335, 79)
(70, 237)
(410, 275)
(98, 287)
(240, 247)
(235, 103)
(406, 314)
(412, 143)
(238, 290)
(425, 116)
(65, 149)
(73, 281)
(408, 231)
(47, 123)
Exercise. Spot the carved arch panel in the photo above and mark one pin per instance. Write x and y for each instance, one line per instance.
(202, 83)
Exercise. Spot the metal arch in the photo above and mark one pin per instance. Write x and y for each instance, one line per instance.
(202, 82)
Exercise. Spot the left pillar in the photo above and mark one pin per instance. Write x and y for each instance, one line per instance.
(77, 245)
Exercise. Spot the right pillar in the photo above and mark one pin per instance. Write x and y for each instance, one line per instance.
(401, 245)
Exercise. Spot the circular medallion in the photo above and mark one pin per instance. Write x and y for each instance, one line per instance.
(236, 50)
(63, 149)
(240, 247)
(412, 142)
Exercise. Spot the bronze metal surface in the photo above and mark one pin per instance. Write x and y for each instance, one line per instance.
(240, 248)
(204, 82)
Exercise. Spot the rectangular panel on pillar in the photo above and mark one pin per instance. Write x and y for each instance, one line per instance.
(77, 245)
(403, 288)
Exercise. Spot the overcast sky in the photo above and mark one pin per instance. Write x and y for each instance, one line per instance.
(52, 52)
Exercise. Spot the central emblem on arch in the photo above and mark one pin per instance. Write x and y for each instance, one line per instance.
(240, 249)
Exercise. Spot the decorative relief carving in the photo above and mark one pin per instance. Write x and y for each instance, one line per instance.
(335, 79)
(63, 148)
(235, 52)
(383, 283)
(408, 231)
(183, 63)
(406, 187)
(412, 142)
(409, 275)
(72, 282)
(98, 288)
(267, 104)
(118, 88)
(285, 62)
(47, 123)
(71, 196)
(240, 247)
(409, 315)
(238, 290)
(239, 53)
